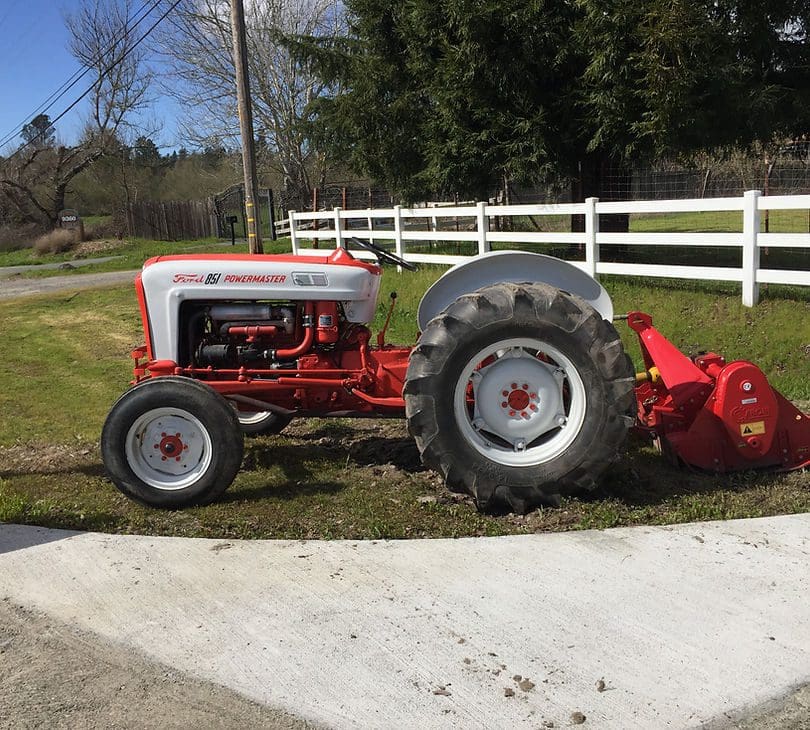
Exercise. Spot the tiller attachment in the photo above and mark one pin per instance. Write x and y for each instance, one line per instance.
(715, 415)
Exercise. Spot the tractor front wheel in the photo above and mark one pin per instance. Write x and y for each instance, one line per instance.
(517, 393)
(172, 442)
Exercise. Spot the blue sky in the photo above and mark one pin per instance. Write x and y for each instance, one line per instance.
(35, 61)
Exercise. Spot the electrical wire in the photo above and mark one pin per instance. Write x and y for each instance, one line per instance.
(81, 72)
(78, 75)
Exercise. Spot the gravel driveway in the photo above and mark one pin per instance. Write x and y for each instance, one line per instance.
(18, 287)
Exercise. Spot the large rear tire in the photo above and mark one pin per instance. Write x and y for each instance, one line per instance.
(517, 393)
(172, 442)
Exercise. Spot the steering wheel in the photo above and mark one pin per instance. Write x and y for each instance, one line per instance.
(382, 254)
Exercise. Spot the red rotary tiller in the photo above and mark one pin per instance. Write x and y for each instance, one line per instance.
(715, 415)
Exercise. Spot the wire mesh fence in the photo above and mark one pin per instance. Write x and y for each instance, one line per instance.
(786, 172)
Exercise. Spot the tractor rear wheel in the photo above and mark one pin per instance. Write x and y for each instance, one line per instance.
(517, 393)
(172, 442)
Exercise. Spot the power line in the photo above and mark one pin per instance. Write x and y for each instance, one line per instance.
(82, 72)
(79, 74)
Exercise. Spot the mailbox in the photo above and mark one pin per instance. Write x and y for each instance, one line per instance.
(71, 220)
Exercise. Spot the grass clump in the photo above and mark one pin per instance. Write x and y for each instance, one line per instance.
(59, 240)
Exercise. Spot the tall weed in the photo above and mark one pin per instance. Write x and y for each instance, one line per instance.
(58, 240)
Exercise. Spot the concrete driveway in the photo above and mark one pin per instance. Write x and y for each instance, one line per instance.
(650, 627)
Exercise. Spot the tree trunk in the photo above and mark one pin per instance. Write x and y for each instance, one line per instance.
(601, 176)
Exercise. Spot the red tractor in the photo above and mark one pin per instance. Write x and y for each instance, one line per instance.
(517, 390)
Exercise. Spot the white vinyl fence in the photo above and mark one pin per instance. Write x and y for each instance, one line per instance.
(383, 225)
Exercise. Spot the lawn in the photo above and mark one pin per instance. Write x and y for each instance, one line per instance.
(129, 253)
(65, 360)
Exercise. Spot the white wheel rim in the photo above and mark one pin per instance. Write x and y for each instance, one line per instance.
(168, 448)
(253, 418)
(526, 410)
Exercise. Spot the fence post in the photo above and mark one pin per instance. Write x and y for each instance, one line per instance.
(483, 229)
(338, 229)
(750, 253)
(591, 228)
(399, 246)
(271, 208)
(293, 236)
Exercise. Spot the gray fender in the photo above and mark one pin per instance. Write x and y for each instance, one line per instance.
(518, 267)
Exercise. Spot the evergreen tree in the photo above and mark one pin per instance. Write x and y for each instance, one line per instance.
(434, 97)
(39, 132)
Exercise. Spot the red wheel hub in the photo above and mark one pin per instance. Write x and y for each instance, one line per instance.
(518, 400)
(171, 446)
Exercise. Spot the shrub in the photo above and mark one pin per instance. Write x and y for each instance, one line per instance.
(58, 240)
(112, 227)
(13, 238)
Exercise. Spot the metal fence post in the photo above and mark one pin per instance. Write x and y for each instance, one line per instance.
(271, 209)
(750, 252)
(293, 234)
(483, 228)
(591, 229)
(338, 229)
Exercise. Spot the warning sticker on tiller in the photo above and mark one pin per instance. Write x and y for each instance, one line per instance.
(752, 429)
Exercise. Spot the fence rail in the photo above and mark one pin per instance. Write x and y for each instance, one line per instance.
(391, 225)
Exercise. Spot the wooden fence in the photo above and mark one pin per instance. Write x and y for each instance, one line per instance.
(172, 220)
(476, 230)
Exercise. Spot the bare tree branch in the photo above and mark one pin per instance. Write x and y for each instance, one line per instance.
(196, 44)
(99, 39)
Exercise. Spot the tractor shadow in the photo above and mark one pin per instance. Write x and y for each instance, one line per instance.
(326, 460)
(643, 478)
(364, 442)
(90, 470)
(333, 455)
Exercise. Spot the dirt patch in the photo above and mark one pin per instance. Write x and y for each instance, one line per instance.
(87, 249)
(66, 323)
(44, 458)
(791, 712)
(56, 677)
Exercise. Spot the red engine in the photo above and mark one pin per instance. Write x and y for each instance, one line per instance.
(288, 356)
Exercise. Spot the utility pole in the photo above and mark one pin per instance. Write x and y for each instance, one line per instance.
(246, 125)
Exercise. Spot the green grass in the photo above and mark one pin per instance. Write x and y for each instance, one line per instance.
(65, 361)
(778, 221)
(130, 253)
(94, 220)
